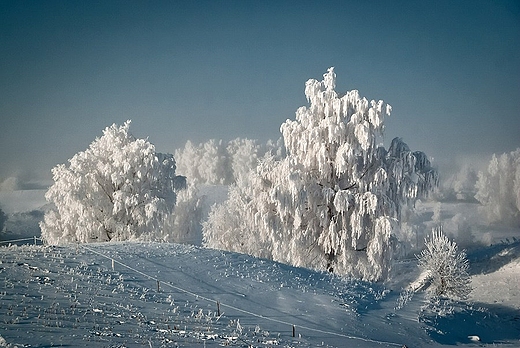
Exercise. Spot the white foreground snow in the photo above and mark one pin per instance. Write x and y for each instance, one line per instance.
(70, 295)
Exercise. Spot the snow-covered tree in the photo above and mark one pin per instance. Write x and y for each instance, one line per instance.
(219, 163)
(334, 201)
(498, 188)
(117, 189)
(205, 163)
(212, 163)
(185, 225)
(246, 154)
(464, 184)
(446, 267)
(461, 185)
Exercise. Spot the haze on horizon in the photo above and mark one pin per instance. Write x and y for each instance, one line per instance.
(225, 69)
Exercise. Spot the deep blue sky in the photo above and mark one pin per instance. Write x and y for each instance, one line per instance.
(224, 69)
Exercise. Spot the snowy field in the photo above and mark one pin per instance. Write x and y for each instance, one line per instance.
(162, 295)
(134, 294)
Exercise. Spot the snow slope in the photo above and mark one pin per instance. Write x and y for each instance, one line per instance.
(497, 278)
(162, 295)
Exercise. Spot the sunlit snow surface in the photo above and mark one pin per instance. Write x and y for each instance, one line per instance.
(51, 296)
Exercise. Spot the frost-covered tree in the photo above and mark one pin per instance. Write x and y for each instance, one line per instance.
(498, 189)
(185, 225)
(334, 201)
(446, 267)
(118, 189)
(461, 185)
(212, 163)
(205, 163)
(246, 154)
(219, 163)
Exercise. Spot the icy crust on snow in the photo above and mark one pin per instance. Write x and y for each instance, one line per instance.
(72, 296)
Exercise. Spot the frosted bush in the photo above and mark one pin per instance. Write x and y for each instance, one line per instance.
(446, 267)
(404, 297)
(334, 201)
(117, 189)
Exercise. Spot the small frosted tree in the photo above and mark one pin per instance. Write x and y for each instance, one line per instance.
(446, 267)
(118, 189)
(334, 201)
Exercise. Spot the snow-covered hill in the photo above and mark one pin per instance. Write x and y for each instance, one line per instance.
(163, 295)
(496, 278)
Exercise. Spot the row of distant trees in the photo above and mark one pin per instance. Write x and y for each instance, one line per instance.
(330, 197)
(496, 187)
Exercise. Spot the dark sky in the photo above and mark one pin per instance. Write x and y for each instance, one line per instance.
(196, 70)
